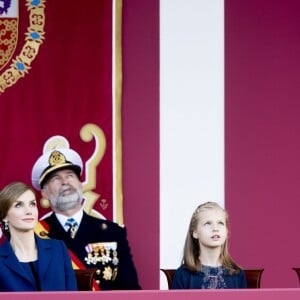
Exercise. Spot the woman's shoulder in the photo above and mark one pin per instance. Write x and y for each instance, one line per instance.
(50, 242)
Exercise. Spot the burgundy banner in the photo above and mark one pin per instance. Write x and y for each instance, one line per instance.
(57, 78)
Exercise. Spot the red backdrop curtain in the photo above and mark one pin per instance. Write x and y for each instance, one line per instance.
(64, 78)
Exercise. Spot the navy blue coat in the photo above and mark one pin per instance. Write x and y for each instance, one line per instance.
(185, 279)
(100, 244)
(54, 268)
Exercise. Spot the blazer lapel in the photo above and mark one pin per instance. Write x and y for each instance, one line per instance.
(45, 255)
(11, 261)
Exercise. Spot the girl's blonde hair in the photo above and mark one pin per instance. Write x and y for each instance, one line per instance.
(191, 252)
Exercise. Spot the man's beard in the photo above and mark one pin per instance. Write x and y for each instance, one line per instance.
(66, 202)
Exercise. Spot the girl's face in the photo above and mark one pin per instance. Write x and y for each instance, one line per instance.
(23, 214)
(211, 230)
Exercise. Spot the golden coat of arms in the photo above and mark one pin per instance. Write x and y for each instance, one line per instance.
(16, 51)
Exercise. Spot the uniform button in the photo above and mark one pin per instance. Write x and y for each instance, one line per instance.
(98, 272)
(98, 282)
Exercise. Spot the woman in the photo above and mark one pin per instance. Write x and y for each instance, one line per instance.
(206, 263)
(27, 262)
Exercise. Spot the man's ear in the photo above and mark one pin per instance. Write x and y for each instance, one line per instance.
(44, 194)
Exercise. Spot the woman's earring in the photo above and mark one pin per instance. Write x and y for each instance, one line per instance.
(5, 225)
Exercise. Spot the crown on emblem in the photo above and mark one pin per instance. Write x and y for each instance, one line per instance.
(56, 158)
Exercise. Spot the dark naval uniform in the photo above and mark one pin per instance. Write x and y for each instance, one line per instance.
(102, 245)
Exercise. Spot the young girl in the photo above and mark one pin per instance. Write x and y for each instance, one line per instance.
(206, 263)
(27, 262)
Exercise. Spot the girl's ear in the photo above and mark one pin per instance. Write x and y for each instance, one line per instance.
(195, 235)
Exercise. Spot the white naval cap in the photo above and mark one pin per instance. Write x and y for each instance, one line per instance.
(56, 155)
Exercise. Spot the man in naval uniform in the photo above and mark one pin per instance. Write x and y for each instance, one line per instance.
(93, 242)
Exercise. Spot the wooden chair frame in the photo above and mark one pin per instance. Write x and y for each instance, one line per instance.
(297, 270)
(84, 278)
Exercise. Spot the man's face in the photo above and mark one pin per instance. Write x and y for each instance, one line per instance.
(64, 190)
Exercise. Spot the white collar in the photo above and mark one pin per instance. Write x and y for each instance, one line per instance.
(62, 218)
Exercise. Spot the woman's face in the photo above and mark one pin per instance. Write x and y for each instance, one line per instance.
(23, 214)
(211, 230)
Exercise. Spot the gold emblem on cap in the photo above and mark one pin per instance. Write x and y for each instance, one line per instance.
(56, 158)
